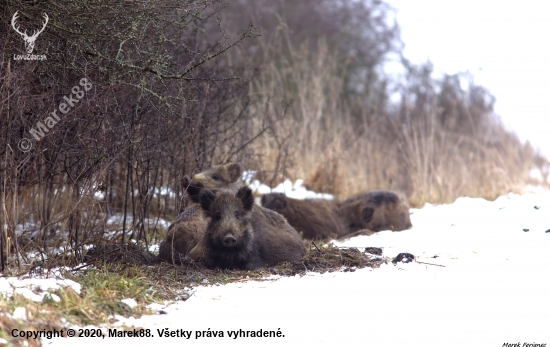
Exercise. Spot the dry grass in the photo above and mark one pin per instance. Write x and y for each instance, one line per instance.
(320, 258)
(343, 145)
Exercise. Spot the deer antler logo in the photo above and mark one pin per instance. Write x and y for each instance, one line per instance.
(29, 40)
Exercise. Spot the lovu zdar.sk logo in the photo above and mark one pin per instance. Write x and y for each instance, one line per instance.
(29, 39)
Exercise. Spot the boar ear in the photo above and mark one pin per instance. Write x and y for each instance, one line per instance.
(280, 201)
(276, 201)
(193, 191)
(235, 171)
(245, 195)
(367, 214)
(205, 199)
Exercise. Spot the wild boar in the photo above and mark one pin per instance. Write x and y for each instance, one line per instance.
(315, 219)
(243, 235)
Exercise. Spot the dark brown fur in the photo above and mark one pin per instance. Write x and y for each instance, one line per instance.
(185, 233)
(376, 211)
(316, 219)
(243, 235)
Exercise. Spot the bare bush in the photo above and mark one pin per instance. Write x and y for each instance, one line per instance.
(161, 102)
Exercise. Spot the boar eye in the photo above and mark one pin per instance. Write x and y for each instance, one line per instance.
(217, 216)
(237, 214)
(215, 177)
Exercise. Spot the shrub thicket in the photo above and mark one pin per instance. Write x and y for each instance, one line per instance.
(159, 103)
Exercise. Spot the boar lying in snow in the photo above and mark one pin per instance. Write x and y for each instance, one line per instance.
(316, 219)
(187, 230)
(375, 211)
(243, 235)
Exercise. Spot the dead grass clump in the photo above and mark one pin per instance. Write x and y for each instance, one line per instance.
(319, 259)
(112, 252)
(102, 291)
(331, 258)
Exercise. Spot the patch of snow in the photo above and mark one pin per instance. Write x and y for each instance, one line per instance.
(164, 192)
(53, 297)
(157, 307)
(118, 218)
(38, 286)
(20, 313)
(130, 302)
(248, 175)
(5, 286)
(29, 227)
(29, 294)
(99, 195)
(294, 190)
(540, 175)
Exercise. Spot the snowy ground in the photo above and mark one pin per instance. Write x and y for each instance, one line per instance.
(481, 279)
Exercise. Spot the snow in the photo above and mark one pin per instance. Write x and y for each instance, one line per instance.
(38, 286)
(479, 279)
(294, 190)
(540, 175)
(20, 313)
(156, 192)
(130, 302)
(116, 220)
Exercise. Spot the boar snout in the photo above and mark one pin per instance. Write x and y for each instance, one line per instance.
(229, 241)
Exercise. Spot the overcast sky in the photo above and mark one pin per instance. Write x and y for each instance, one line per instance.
(504, 44)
